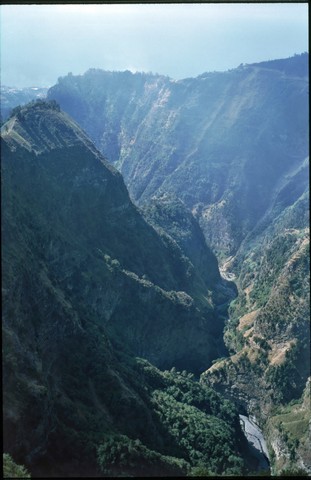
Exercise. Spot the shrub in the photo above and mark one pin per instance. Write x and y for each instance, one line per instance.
(12, 470)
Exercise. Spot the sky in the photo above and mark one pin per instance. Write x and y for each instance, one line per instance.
(40, 43)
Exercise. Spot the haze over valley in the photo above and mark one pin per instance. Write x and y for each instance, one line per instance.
(155, 261)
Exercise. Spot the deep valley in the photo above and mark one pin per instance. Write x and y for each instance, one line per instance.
(156, 274)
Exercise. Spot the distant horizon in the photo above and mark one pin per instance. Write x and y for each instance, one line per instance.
(40, 43)
(149, 73)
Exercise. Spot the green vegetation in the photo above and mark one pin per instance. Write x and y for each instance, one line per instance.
(12, 470)
(88, 286)
(39, 104)
(290, 424)
(293, 472)
(233, 337)
(200, 430)
(286, 379)
(121, 456)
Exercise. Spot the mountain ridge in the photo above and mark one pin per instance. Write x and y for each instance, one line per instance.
(168, 132)
(93, 180)
(233, 147)
(241, 138)
(78, 313)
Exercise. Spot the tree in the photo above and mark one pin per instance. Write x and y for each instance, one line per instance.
(12, 470)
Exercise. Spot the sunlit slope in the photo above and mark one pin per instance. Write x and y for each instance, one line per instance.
(268, 334)
(221, 142)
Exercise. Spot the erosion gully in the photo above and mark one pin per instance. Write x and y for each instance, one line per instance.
(250, 429)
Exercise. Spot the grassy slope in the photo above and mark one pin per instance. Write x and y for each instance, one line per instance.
(269, 328)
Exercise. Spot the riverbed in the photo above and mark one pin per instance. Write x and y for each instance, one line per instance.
(257, 441)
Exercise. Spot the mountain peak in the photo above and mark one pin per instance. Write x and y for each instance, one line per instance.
(41, 126)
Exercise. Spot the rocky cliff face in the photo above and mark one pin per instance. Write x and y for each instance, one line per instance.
(77, 188)
(288, 431)
(237, 135)
(268, 334)
(174, 220)
(233, 147)
(89, 286)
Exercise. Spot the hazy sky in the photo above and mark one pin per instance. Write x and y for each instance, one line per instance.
(39, 43)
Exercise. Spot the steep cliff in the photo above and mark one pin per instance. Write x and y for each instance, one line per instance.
(79, 190)
(233, 148)
(88, 287)
(235, 134)
(268, 334)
